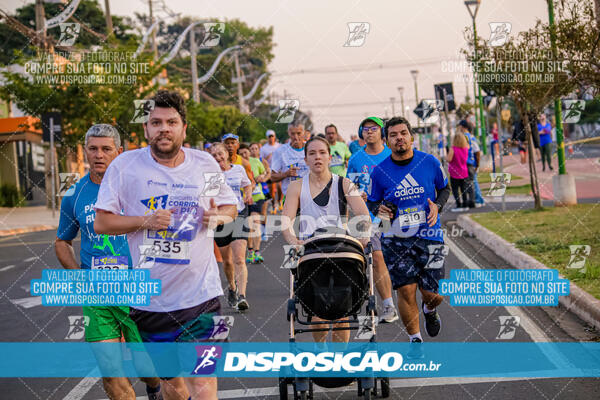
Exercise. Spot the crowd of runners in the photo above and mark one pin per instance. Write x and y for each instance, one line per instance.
(128, 198)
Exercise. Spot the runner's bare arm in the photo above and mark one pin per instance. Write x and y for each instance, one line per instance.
(65, 253)
(248, 194)
(278, 176)
(359, 209)
(267, 168)
(113, 224)
(290, 208)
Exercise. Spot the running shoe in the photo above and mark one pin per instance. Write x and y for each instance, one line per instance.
(232, 297)
(258, 258)
(242, 304)
(415, 349)
(433, 323)
(154, 393)
(250, 258)
(388, 315)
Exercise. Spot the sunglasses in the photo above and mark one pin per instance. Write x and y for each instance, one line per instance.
(370, 129)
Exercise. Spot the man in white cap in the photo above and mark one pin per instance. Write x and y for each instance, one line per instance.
(267, 149)
(266, 153)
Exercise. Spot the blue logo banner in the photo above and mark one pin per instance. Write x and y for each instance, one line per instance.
(300, 359)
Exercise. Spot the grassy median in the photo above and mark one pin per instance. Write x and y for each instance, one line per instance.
(547, 235)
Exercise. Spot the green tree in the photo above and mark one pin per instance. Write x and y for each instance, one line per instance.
(89, 14)
(525, 69)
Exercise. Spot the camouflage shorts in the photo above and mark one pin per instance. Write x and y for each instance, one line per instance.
(414, 260)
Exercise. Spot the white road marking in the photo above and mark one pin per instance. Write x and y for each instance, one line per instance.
(536, 334)
(84, 386)
(28, 302)
(30, 259)
(6, 268)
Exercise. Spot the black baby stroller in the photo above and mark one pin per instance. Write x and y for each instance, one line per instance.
(332, 280)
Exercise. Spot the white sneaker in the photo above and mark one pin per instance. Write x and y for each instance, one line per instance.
(477, 205)
(388, 315)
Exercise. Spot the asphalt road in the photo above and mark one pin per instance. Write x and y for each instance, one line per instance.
(23, 319)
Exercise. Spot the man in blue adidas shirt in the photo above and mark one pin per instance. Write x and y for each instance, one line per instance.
(106, 323)
(410, 188)
(360, 166)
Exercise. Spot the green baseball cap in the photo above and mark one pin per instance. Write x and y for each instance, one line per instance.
(378, 121)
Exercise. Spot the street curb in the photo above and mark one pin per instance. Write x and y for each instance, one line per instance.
(36, 228)
(579, 302)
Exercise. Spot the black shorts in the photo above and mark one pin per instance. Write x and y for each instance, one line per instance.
(194, 324)
(414, 260)
(256, 207)
(235, 230)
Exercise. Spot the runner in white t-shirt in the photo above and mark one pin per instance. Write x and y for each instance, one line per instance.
(288, 160)
(164, 197)
(232, 238)
(266, 153)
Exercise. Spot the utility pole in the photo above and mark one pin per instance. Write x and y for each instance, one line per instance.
(238, 73)
(109, 24)
(560, 142)
(401, 91)
(40, 23)
(563, 184)
(415, 74)
(481, 132)
(154, 44)
(393, 100)
(193, 51)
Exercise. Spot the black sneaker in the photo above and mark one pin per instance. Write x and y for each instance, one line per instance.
(232, 297)
(433, 323)
(154, 393)
(242, 304)
(415, 349)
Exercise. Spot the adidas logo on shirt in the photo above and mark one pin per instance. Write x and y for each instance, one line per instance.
(408, 186)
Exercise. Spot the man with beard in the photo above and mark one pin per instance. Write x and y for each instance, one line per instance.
(156, 196)
(410, 188)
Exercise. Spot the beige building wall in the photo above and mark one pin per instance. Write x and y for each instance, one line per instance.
(9, 173)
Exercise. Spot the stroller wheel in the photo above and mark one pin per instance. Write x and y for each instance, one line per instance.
(385, 387)
(283, 389)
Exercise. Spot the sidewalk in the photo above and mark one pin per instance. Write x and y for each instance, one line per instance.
(26, 219)
(585, 170)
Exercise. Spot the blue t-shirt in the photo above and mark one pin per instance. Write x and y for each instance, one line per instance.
(545, 132)
(354, 146)
(361, 165)
(408, 187)
(473, 148)
(77, 213)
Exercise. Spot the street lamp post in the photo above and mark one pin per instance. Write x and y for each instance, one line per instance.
(415, 74)
(401, 91)
(393, 100)
(563, 184)
(560, 143)
(481, 123)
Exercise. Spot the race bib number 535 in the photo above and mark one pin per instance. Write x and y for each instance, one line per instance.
(167, 248)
